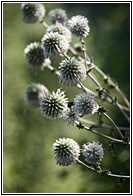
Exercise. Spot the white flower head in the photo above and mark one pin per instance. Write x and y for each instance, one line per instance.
(71, 72)
(34, 94)
(84, 103)
(61, 29)
(54, 44)
(93, 152)
(79, 26)
(34, 56)
(57, 16)
(32, 12)
(66, 151)
(53, 104)
(70, 116)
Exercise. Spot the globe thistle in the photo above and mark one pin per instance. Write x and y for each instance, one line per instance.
(66, 151)
(70, 116)
(84, 103)
(34, 56)
(54, 44)
(79, 26)
(71, 72)
(32, 12)
(34, 94)
(54, 104)
(57, 16)
(63, 30)
(92, 152)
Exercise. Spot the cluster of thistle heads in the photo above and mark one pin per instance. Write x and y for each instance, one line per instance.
(71, 71)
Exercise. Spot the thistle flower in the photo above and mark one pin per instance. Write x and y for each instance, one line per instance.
(57, 15)
(54, 104)
(71, 71)
(34, 94)
(66, 151)
(54, 44)
(63, 30)
(92, 152)
(70, 116)
(79, 26)
(34, 55)
(85, 104)
(32, 12)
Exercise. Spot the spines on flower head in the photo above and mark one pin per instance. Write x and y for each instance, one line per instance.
(93, 152)
(54, 44)
(61, 29)
(84, 103)
(32, 12)
(70, 116)
(57, 16)
(34, 56)
(53, 104)
(71, 71)
(79, 26)
(34, 94)
(66, 151)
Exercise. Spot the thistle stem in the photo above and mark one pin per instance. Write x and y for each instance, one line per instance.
(108, 173)
(118, 130)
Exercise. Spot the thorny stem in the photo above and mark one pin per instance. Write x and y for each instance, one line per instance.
(108, 173)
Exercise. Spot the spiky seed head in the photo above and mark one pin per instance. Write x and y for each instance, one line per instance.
(78, 25)
(66, 151)
(62, 30)
(32, 12)
(57, 16)
(34, 94)
(93, 152)
(34, 56)
(84, 103)
(71, 71)
(53, 104)
(54, 44)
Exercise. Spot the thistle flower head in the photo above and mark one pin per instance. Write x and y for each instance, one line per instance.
(71, 71)
(70, 116)
(79, 26)
(62, 30)
(57, 15)
(92, 152)
(32, 12)
(54, 104)
(84, 103)
(54, 44)
(34, 94)
(34, 56)
(66, 151)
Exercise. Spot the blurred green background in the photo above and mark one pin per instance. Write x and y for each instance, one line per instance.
(28, 161)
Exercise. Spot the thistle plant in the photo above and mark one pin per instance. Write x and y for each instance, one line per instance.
(75, 66)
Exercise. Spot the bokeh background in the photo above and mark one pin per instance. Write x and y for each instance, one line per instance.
(28, 161)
